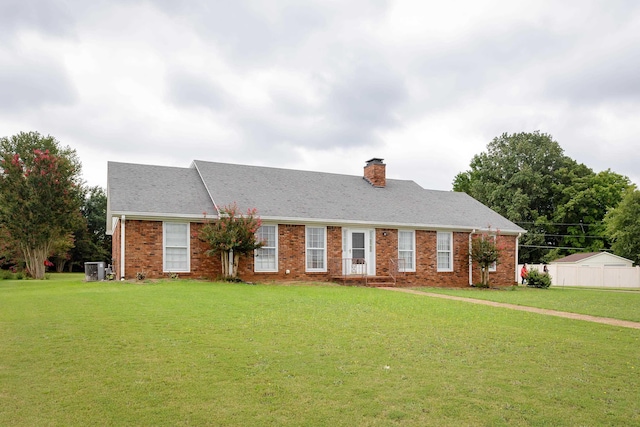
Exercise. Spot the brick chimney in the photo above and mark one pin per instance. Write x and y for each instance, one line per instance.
(374, 172)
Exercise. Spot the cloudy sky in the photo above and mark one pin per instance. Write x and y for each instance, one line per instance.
(322, 85)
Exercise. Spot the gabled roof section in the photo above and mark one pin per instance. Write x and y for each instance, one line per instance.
(156, 191)
(574, 258)
(294, 195)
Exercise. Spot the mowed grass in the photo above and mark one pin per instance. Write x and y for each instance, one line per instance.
(195, 353)
(617, 304)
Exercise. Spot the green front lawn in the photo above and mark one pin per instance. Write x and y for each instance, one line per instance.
(617, 304)
(195, 353)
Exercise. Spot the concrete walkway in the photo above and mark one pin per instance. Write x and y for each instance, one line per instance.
(586, 317)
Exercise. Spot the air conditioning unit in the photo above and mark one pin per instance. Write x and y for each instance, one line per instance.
(93, 271)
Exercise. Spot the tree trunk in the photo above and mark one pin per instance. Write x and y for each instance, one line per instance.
(229, 261)
(224, 260)
(485, 276)
(236, 259)
(34, 258)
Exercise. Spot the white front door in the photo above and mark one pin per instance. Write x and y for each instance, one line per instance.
(359, 254)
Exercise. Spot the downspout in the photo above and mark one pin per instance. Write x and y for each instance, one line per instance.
(122, 219)
(471, 260)
(517, 256)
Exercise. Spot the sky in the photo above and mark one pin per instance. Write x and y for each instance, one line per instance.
(322, 85)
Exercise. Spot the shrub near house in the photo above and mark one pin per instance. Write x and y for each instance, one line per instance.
(535, 279)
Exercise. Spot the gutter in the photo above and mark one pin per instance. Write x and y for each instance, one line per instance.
(517, 256)
(471, 260)
(122, 246)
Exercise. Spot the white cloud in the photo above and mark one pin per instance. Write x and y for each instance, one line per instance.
(322, 85)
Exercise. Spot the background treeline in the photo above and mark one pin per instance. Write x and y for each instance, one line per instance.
(564, 205)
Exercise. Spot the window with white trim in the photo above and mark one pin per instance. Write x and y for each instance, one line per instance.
(406, 250)
(493, 266)
(445, 251)
(266, 258)
(175, 247)
(316, 242)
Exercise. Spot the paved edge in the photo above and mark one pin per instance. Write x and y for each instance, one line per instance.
(576, 316)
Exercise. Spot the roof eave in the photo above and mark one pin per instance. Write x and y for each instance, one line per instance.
(378, 224)
(162, 216)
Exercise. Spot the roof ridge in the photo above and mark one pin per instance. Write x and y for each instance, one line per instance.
(300, 170)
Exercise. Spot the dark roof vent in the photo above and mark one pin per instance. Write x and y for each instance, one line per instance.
(375, 161)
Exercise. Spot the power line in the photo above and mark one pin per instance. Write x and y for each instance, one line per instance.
(565, 235)
(549, 247)
(584, 224)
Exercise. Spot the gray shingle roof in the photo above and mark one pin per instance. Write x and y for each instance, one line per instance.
(577, 257)
(156, 190)
(295, 196)
(574, 258)
(303, 195)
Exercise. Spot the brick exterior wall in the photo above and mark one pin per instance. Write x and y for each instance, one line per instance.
(143, 253)
(426, 273)
(386, 248)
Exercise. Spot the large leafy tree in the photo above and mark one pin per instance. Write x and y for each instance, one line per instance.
(578, 221)
(518, 175)
(95, 212)
(231, 236)
(623, 226)
(39, 187)
(8, 255)
(90, 241)
(527, 178)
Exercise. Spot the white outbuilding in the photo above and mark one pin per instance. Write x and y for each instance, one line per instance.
(593, 269)
(594, 259)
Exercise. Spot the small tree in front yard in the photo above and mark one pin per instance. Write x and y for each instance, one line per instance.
(485, 252)
(231, 236)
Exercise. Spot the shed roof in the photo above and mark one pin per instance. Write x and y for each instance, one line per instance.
(576, 258)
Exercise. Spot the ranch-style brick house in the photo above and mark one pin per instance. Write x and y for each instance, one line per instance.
(315, 226)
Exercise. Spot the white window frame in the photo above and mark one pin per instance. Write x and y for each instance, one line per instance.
(449, 235)
(186, 248)
(494, 266)
(309, 249)
(412, 268)
(257, 252)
